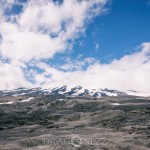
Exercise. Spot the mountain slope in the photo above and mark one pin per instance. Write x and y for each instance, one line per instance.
(64, 90)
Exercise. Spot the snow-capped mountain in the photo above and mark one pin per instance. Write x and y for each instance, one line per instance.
(64, 90)
(69, 91)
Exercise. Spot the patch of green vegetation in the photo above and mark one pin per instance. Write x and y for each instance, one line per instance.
(54, 117)
(95, 113)
(19, 119)
(31, 142)
(80, 126)
(1, 128)
(115, 122)
(1, 113)
(45, 122)
(58, 104)
(11, 127)
(85, 147)
(120, 118)
(123, 148)
(147, 111)
(22, 118)
(52, 126)
(32, 130)
(40, 104)
(148, 145)
(86, 107)
(75, 117)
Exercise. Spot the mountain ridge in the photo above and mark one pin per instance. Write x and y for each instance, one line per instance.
(69, 91)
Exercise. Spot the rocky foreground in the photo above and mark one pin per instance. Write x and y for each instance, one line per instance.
(57, 122)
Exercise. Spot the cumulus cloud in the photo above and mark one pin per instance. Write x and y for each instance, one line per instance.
(26, 45)
(79, 64)
(43, 28)
(129, 72)
(12, 76)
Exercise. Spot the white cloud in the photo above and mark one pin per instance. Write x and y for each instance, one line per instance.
(26, 45)
(129, 72)
(12, 76)
(44, 28)
(97, 46)
(79, 64)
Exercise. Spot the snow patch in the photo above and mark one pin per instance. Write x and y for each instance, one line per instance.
(61, 99)
(135, 93)
(115, 104)
(27, 100)
(7, 103)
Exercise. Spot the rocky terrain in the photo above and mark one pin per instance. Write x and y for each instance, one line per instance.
(58, 120)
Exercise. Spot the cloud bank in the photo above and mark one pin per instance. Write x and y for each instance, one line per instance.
(131, 72)
(39, 29)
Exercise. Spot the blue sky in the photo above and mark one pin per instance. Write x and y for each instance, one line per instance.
(118, 32)
(57, 42)
(115, 33)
